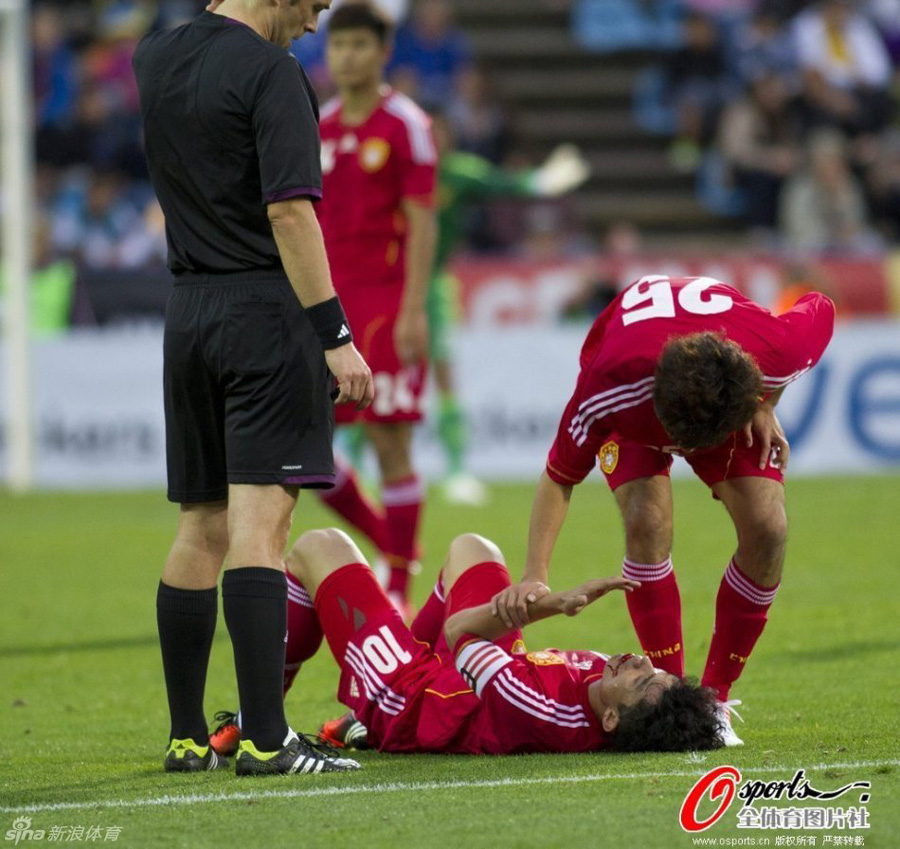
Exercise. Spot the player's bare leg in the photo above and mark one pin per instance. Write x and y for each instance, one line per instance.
(465, 552)
(655, 608)
(200, 546)
(316, 554)
(756, 506)
(402, 497)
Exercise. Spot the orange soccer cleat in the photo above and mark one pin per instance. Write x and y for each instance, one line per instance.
(344, 733)
(227, 737)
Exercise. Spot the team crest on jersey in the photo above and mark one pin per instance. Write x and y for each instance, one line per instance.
(373, 154)
(544, 658)
(609, 457)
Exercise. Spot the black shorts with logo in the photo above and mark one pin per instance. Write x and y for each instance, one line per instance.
(247, 391)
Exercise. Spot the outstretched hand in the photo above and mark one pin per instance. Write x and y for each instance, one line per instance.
(770, 437)
(574, 601)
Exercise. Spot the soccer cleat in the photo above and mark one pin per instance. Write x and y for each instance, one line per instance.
(344, 733)
(726, 733)
(465, 489)
(226, 738)
(187, 756)
(298, 755)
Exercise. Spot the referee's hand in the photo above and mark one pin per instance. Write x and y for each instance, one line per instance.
(353, 376)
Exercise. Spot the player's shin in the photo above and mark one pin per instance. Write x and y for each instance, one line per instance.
(348, 500)
(304, 633)
(403, 508)
(655, 610)
(741, 612)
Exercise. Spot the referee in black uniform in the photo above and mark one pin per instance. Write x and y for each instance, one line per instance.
(255, 341)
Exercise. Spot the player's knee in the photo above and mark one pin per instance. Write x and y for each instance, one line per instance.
(648, 531)
(468, 550)
(766, 534)
(317, 553)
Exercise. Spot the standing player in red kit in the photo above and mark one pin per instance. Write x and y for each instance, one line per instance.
(377, 216)
(682, 366)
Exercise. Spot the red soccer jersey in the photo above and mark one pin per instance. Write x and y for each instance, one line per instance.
(614, 392)
(490, 702)
(368, 170)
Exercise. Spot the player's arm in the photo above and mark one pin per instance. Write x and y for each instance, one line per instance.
(514, 605)
(571, 458)
(810, 324)
(481, 621)
(411, 327)
(473, 177)
(290, 173)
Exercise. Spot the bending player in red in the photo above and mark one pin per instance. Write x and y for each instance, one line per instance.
(460, 681)
(378, 220)
(682, 366)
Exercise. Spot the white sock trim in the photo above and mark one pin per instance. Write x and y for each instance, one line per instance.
(743, 587)
(647, 571)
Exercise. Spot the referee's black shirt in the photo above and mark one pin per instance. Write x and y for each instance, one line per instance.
(231, 124)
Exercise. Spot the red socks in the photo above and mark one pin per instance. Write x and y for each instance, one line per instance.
(351, 504)
(304, 633)
(741, 608)
(426, 627)
(402, 501)
(655, 610)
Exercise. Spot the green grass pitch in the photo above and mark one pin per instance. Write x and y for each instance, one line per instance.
(84, 715)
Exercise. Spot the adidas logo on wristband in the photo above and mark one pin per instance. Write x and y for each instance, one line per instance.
(344, 331)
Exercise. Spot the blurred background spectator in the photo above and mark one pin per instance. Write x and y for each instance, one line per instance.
(823, 207)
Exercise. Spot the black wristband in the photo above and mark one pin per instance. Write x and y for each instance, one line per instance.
(330, 323)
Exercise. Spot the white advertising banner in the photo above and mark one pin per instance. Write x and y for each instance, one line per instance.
(99, 419)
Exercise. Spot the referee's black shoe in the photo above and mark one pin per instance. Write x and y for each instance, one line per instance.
(298, 755)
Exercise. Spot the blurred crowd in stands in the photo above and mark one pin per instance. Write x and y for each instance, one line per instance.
(95, 205)
(787, 110)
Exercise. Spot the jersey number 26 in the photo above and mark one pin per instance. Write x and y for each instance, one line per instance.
(656, 293)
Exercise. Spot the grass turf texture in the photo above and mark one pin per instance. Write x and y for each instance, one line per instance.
(84, 712)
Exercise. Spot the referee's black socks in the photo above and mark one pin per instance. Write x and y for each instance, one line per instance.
(254, 599)
(187, 622)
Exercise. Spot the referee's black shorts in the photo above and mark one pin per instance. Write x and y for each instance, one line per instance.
(247, 391)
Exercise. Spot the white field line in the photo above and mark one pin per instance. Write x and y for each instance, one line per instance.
(415, 787)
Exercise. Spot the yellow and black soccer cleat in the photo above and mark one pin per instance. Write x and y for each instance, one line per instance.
(187, 756)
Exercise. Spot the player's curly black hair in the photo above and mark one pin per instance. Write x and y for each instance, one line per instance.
(682, 719)
(705, 388)
(361, 14)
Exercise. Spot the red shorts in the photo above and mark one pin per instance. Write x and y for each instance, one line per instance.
(623, 461)
(408, 695)
(399, 389)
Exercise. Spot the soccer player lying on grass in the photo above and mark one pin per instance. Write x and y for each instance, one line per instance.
(459, 680)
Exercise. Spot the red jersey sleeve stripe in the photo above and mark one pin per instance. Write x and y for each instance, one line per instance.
(479, 661)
